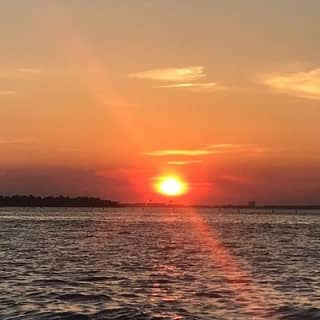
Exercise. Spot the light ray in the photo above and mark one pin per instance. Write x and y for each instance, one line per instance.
(95, 77)
(238, 278)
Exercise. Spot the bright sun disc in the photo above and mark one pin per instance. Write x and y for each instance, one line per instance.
(171, 186)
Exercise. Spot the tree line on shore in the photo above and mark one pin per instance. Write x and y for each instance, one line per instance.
(59, 201)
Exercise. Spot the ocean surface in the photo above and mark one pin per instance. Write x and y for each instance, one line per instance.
(158, 264)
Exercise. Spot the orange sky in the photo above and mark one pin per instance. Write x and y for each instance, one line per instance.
(99, 98)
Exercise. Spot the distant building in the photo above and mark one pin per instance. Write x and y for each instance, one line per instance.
(251, 204)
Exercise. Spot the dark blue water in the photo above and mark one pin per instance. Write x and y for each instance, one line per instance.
(158, 264)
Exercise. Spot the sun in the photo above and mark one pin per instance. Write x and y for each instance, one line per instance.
(171, 186)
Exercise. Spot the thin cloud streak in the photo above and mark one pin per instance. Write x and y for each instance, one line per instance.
(299, 84)
(179, 152)
(183, 163)
(204, 85)
(221, 146)
(30, 70)
(7, 92)
(19, 72)
(213, 149)
(186, 74)
(14, 141)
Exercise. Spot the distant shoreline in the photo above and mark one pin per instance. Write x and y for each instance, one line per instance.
(92, 202)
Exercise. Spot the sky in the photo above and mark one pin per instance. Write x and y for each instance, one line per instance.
(101, 97)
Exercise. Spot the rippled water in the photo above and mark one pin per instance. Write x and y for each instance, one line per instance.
(158, 264)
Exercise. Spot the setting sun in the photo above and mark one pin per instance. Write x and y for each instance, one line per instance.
(171, 186)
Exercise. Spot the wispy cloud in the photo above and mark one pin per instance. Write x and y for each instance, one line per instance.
(213, 149)
(187, 78)
(7, 92)
(20, 72)
(185, 74)
(179, 152)
(30, 70)
(14, 141)
(183, 163)
(221, 146)
(300, 84)
(195, 86)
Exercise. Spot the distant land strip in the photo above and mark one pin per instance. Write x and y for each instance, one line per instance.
(59, 201)
(64, 201)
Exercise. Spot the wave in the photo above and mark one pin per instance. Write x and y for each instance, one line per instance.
(97, 279)
(297, 313)
(83, 298)
(126, 313)
(50, 282)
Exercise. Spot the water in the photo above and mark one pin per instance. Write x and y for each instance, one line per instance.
(158, 264)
